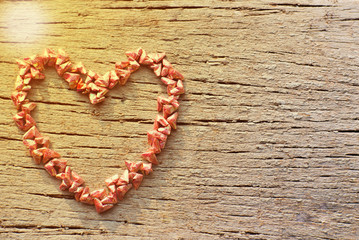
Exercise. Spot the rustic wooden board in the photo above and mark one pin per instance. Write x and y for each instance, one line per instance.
(267, 144)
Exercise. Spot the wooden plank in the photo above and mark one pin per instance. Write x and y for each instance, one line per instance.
(267, 144)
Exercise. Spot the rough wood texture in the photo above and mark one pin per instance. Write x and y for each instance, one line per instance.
(267, 145)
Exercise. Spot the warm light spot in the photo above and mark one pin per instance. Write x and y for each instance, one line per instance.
(23, 21)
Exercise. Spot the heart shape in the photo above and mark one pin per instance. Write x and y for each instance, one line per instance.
(96, 87)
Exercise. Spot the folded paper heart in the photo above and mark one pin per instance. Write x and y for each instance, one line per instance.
(96, 86)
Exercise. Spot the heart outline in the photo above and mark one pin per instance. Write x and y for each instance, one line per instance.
(97, 87)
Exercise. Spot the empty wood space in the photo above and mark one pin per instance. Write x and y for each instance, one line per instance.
(267, 145)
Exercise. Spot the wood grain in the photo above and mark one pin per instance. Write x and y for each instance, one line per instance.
(267, 144)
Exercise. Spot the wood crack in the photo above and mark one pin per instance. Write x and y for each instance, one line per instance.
(301, 5)
(60, 196)
(10, 139)
(57, 103)
(151, 7)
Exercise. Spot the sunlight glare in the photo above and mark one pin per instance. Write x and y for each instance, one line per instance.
(24, 21)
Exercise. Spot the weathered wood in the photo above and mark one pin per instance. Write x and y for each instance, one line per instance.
(267, 144)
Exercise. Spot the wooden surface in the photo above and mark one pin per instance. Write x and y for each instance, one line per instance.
(267, 144)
